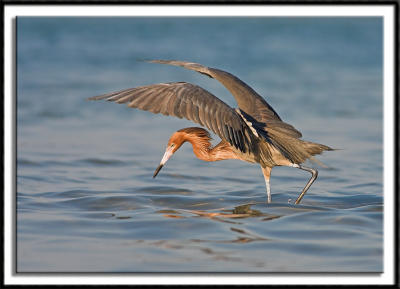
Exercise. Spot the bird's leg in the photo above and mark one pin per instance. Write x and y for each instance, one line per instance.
(314, 173)
(267, 173)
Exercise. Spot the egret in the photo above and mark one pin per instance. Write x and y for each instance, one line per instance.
(252, 132)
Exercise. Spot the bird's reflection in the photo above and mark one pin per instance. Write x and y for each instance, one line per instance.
(222, 214)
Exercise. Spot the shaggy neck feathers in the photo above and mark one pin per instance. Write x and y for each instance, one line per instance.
(202, 148)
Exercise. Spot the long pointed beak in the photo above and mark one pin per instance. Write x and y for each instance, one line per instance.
(168, 153)
(157, 170)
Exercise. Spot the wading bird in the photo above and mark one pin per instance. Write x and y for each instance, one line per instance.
(253, 132)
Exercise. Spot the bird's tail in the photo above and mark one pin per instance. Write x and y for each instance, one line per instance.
(315, 148)
(293, 149)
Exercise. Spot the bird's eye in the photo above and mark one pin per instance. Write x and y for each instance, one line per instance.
(172, 145)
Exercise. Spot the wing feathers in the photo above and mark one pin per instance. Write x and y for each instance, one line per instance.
(186, 100)
(247, 99)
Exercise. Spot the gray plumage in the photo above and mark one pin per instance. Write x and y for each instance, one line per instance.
(186, 100)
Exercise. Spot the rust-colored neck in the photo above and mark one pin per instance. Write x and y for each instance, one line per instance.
(202, 148)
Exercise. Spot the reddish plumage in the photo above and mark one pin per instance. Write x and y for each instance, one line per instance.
(202, 147)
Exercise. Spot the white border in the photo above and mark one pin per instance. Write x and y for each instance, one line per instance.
(386, 11)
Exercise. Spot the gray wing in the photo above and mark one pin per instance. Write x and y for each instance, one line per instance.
(185, 100)
(247, 99)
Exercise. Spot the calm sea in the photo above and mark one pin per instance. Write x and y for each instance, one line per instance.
(86, 199)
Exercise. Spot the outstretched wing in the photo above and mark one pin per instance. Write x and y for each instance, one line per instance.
(247, 99)
(185, 100)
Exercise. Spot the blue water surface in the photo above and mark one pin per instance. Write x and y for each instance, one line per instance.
(86, 199)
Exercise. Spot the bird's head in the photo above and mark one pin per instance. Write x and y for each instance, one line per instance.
(197, 136)
(174, 143)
